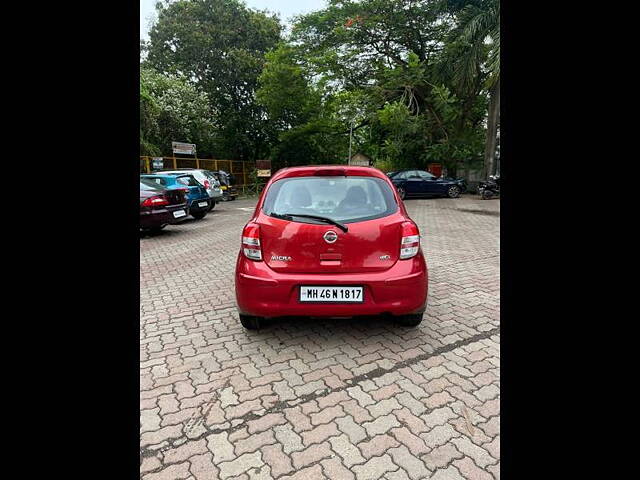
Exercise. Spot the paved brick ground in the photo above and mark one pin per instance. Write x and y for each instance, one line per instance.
(329, 399)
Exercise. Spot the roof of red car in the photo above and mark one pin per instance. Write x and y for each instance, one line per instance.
(308, 170)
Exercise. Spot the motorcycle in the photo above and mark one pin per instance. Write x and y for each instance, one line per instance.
(491, 188)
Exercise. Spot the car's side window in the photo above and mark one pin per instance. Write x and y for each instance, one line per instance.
(413, 174)
(426, 176)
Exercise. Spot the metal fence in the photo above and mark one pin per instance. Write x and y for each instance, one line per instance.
(241, 170)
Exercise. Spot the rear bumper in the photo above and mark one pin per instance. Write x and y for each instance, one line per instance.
(162, 216)
(194, 207)
(400, 290)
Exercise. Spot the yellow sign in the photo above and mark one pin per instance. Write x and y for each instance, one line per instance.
(264, 173)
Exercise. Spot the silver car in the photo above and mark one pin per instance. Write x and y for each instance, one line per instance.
(206, 179)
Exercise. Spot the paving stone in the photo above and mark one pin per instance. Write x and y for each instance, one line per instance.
(254, 442)
(374, 468)
(274, 456)
(290, 440)
(320, 433)
(346, 450)
(202, 467)
(412, 465)
(441, 456)
(335, 470)
(470, 470)
(172, 472)
(309, 473)
(241, 464)
(439, 435)
(449, 473)
(219, 445)
(381, 425)
(439, 416)
(415, 444)
(378, 445)
(310, 455)
(480, 456)
(354, 431)
(185, 452)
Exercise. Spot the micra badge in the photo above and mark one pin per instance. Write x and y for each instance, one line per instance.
(385, 257)
(280, 258)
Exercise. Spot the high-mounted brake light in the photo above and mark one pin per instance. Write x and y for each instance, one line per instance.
(330, 172)
(155, 201)
(251, 242)
(410, 243)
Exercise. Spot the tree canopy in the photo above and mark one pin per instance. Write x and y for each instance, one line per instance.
(413, 80)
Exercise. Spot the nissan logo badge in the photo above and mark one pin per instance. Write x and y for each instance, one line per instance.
(330, 236)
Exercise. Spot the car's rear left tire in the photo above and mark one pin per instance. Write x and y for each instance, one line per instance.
(213, 204)
(402, 193)
(198, 215)
(249, 322)
(410, 320)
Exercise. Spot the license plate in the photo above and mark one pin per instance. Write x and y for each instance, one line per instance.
(203, 204)
(330, 294)
(179, 213)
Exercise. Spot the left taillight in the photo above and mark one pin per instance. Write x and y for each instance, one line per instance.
(251, 242)
(155, 201)
(207, 185)
(410, 243)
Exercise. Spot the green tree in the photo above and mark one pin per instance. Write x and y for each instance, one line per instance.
(219, 46)
(306, 128)
(396, 54)
(171, 109)
(480, 31)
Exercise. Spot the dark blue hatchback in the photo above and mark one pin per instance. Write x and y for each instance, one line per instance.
(197, 198)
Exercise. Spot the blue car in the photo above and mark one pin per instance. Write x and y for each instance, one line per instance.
(198, 199)
(418, 183)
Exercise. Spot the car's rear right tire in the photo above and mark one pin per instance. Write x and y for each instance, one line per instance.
(249, 322)
(402, 193)
(410, 320)
(453, 191)
(198, 215)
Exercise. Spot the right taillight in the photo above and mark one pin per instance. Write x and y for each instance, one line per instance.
(251, 242)
(410, 243)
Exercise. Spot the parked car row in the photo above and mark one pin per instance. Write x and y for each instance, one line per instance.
(419, 183)
(170, 196)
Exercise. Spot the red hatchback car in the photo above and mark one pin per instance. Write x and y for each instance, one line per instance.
(330, 241)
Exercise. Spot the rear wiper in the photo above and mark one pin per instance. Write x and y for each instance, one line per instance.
(289, 216)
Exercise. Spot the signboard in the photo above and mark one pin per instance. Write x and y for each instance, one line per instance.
(183, 148)
(157, 163)
(264, 173)
(359, 160)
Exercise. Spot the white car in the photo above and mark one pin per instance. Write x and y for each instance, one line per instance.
(206, 179)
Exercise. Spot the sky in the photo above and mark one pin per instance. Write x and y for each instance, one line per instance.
(286, 9)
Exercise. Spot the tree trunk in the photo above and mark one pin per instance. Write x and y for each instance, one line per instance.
(492, 130)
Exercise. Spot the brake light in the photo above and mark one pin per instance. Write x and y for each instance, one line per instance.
(251, 242)
(330, 172)
(155, 201)
(207, 185)
(410, 243)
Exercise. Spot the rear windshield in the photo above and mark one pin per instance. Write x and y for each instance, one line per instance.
(344, 199)
(146, 184)
(188, 180)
